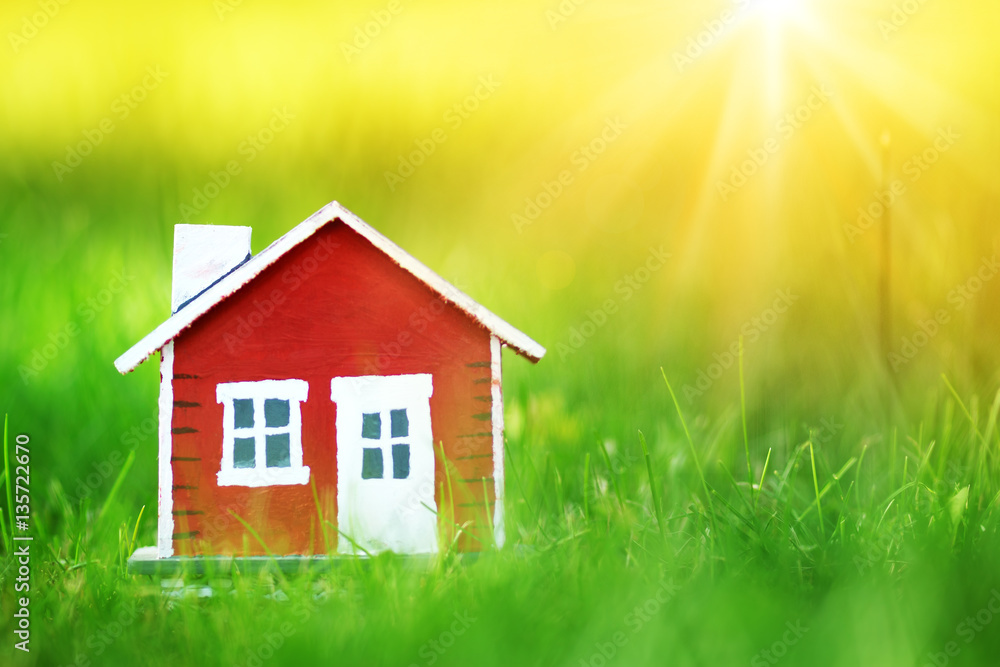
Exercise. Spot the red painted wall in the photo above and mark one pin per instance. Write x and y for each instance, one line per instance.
(333, 306)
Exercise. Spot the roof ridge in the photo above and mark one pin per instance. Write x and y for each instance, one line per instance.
(249, 269)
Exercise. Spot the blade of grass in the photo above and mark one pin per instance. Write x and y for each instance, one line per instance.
(945, 453)
(560, 499)
(763, 473)
(253, 533)
(489, 515)
(509, 457)
(652, 487)
(319, 513)
(829, 485)
(449, 511)
(735, 512)
(746, 438)
(7, 542)
(736, 486)
(961, 404)
(792, 462)
(612, 474)
(346, 537)
(694, 453)
(857, 473)
(819, 506)
(9, 536)
(135, 533)
(117, 485)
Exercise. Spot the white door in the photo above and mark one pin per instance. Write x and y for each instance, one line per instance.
(385, 464)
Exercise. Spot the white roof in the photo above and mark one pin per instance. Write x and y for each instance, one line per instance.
(246, 272)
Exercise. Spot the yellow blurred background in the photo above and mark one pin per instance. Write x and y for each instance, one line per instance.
(536, 154)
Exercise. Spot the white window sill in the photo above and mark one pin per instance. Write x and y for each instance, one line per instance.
(257, 477)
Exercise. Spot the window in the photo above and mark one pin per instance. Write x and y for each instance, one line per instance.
(376, 442)
(262, 433)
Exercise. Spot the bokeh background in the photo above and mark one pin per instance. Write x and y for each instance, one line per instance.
(741, 138)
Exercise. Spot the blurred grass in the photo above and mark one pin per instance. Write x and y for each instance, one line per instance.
(883, 573)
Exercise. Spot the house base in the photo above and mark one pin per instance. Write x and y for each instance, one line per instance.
(144, 561)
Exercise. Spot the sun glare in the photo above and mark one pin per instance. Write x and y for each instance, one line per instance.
(778, 11)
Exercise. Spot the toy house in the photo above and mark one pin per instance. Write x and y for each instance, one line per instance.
(330, 394)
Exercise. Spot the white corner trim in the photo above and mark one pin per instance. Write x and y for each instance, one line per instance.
(496, 394)
(165, 504)
(235, 280)
(295, 392)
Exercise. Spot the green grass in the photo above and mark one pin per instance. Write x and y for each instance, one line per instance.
(876, 529)
(874, 573)
(876, 548)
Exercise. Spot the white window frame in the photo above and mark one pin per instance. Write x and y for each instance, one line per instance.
(295, 392)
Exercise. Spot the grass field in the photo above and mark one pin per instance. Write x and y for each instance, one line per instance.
(717, 463)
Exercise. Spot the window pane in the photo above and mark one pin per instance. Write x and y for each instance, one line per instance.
(243, 413)
(371, 426)
(371, 463)
(275, 412)
(400, 424)
(400, 461)
(243, 453)
(277, 451)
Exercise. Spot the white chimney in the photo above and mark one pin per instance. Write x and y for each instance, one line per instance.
(203, 254)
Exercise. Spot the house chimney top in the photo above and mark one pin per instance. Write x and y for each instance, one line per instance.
(203, 254)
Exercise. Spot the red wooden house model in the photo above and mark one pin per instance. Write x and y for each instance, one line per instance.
(331, 392)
